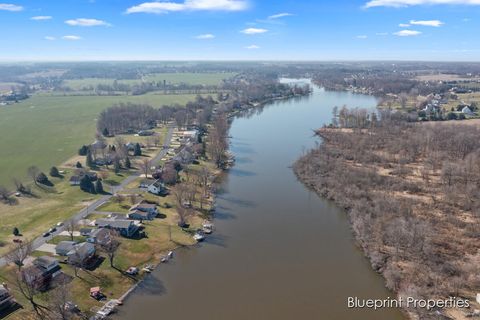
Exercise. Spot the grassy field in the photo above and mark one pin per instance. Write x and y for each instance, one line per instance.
(46, 131)
(172, 78)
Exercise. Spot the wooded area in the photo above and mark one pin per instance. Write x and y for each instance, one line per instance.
(411, 191)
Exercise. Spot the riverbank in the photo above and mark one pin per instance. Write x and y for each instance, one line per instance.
(410, 209)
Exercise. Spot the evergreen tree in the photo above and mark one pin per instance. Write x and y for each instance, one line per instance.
(54, 172)
(99, 186)
(116, 165)
(113, 149)
(128, 164)
(83, 150)
(105, 132)
(86, 184)
(16, 232)
(43, 179)
(78, 165)
(90, 159)
(138, 150)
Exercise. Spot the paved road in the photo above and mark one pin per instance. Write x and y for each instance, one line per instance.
(92, 207)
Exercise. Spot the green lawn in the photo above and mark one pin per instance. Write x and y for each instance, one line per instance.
(46, 130)
(172, 78)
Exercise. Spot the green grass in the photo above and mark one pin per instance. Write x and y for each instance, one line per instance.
(172, 78)
(33, 216)
(46, 130)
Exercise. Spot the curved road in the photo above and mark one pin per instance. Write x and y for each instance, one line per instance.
(92, 207)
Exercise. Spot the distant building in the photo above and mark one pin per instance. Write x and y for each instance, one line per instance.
(75, 180)
(467, 110)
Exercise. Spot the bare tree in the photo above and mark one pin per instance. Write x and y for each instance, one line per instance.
(27, 286)
(71, 227)
(145, 167)
(33, 173)
(110, 246)
(21, 251)
(59, 300)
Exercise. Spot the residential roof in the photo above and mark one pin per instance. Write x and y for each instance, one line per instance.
(113, 223)
(82, 249)
(140, 213)
(44, 261)
(65, 245)
(3, 290)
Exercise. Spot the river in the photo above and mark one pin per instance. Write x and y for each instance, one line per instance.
(279, 251)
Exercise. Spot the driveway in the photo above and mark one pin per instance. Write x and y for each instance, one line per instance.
(47, 247)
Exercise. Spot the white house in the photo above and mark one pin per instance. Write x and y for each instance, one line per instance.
(156, 188)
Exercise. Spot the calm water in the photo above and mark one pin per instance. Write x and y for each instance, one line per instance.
(279, 252)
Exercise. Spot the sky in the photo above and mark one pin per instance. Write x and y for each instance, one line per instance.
(434, 30)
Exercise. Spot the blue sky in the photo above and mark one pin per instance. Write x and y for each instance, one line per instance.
(240, 30)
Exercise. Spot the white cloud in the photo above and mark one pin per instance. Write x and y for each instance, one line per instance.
(428, 23)
(408, 3)
(40, 18)
(71, 37)
(407, 33)
(189, 5)
(404, 25)
(50, 38)
(83, 22)
(253, 46)
(254, 31)
(362, 36)
(280, 15)
(205, 36)
(10, 7)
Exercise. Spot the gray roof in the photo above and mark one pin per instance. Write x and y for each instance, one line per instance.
(3, 290)
(113, 223)
(44, 261)
(82, 249)
(65, 245)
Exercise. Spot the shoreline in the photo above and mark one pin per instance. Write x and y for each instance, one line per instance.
(218, 173)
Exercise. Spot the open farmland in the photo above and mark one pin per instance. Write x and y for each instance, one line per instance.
(46, 130)
(172, 78)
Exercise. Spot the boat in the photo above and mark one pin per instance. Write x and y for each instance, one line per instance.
(148, 268)
(164, 259)
(170, 254)
(198, 237)
(207, 227)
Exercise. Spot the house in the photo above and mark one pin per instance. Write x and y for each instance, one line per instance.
(146, 207)
(6, 299)
(85, 232)
(64, 247)
(156, 188)
(99, 236)
(81, 253)
(47, 264)
(40, 274)
(75, 180)
(145, 183)
(144, 133)
(140, 215)
(125, 227)
(467, 110)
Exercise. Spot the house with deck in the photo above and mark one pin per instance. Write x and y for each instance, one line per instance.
(81, 253)
(64, 247)
(6, 298)
(126, 228)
